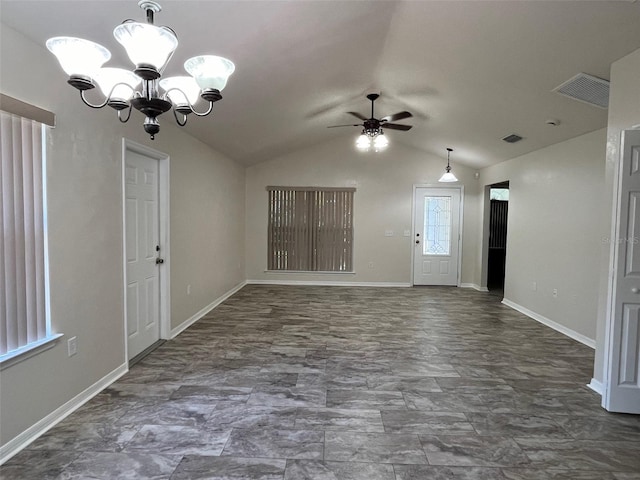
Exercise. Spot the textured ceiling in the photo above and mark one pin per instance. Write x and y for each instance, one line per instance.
(470, 71)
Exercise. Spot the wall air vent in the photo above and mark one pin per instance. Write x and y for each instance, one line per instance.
(587, 89)
(513, 138)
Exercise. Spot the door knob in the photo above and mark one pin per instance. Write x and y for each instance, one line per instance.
(635, 290)
(417, 241)
(159, 260)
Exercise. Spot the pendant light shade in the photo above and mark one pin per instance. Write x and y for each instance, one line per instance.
(210, 71)
(78, 56)
(146, 45)
(448, 177)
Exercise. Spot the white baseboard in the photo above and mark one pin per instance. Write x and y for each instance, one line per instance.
(19, 442)
(596, 386)
(194, 318)
(474, 286)
(589, 342)
(329, 283)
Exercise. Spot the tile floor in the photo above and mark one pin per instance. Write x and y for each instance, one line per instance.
(332, 383)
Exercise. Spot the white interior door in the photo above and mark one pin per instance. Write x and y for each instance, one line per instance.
(622, 381)
(142, 252)
(436, 236)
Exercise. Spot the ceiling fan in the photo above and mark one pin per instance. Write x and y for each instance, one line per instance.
(373, 126)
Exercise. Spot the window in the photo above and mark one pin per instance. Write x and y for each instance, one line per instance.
(24, 321)
(310, 229)
(437, 226)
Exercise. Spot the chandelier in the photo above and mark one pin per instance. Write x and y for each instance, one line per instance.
(149, 48)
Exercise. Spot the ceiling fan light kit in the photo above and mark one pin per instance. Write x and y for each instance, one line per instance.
(372, 134)
(447, 176)
(149, 48)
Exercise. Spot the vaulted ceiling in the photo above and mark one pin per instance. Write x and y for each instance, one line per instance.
(470, 71)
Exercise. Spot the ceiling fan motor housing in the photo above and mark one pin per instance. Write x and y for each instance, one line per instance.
(372, 127)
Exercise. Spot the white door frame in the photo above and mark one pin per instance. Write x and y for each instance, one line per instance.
(163, 223)
(413, 224)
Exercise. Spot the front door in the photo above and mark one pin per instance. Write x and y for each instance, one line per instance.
(142, 252)
(622, 381)
(436, 236)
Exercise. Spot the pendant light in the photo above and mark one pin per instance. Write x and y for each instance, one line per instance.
(448, 177)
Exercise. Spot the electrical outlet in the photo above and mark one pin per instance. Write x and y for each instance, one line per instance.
(370, 264)
(188, 289)
(72, 346)
(407, 233)
(388, 233)
(555, 293)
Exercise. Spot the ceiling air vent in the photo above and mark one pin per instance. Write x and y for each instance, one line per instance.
(513, 138)
(587, 89)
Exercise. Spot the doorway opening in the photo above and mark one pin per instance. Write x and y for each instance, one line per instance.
(497, 248)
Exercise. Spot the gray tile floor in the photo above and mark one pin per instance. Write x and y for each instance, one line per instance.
(332, 383)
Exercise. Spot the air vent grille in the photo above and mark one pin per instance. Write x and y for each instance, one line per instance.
(587, 89)
(513, 138)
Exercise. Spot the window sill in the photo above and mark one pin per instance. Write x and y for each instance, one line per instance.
(16, 356)
(309, 272)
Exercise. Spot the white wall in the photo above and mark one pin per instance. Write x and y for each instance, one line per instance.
(624, 113)
(85, 233)
(554, 236)
(383, 201)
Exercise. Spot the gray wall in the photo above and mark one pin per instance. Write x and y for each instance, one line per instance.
(553, 235)
(85, 233)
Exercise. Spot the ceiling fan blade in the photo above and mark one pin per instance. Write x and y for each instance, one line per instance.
(397, 126)
(348, 125)
(396, 116)
(358, 115)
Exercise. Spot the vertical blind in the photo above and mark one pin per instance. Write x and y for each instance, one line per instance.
(310, 229)
(498, 224)
(22, 270)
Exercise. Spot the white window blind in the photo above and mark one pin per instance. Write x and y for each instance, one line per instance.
(23, 313)
(310, 229)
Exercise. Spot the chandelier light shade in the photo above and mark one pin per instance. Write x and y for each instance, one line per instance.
(210, 71)
(447, 176)
(150, 49)
(182, 90)
(117, 83)
(78, 57)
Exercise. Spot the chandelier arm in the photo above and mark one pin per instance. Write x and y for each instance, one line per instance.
(203, 114)
(89, 104)
(128, 115)
(181, 123)
(107, 99)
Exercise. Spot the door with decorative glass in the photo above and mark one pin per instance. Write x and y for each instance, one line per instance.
(436, 236)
